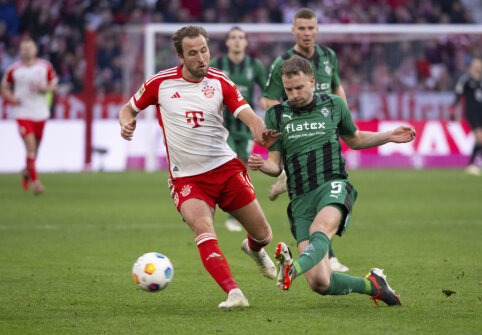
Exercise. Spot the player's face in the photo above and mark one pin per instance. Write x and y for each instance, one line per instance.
(305, 31)
(195, 58)
(299, 89)
(236, 41)
(28, 50)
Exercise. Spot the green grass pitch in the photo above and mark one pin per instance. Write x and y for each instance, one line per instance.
(66, 259)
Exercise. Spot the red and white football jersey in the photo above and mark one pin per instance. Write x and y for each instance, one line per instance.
(191, 117)
(25, 79)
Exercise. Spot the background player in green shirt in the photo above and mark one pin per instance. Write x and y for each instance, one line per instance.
(244, 71)
(321, 195)
(327, 80)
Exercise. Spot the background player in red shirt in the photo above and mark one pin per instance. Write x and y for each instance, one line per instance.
(25, 85)
(203, 169)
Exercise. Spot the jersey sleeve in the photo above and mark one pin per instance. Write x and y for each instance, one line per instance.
(335, 80)
(232, 98)
(260, 73)
(51, 75)
(8, 76)
(347, 126)
(270, 122)
(274, 86)
(146, 95)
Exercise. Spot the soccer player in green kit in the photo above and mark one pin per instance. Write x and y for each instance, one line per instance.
(321, 195)
(327, 80)
(244, 71)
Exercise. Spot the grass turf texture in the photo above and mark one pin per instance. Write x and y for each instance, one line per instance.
(66, 259)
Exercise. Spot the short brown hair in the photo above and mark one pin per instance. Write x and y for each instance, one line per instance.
(304, 13)
(294, 65)
(188, 31)
(233, 29)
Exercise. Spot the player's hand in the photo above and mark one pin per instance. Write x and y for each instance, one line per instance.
(262, 104)
(16, 101)
(42, 88)
(127, 130)
(403, 134)
(171, 187)
(268, 138)
(255, 162)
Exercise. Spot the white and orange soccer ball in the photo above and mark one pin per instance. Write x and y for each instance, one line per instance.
(152, 272)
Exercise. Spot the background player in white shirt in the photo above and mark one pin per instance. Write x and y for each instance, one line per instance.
(31, 79)
(203, 169)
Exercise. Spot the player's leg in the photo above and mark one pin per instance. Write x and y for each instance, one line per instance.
(31, 154)
(472, 168)
(314, 263)
(239, 199)
(335, 264)
(231, 223)
(199, 217)
(278, 187)
(259, 235)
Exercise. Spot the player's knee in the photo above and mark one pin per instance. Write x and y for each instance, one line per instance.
(319, 284)
(264, 234)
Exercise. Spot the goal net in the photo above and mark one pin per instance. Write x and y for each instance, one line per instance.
(389, 72)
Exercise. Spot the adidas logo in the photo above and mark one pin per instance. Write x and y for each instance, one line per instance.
(176, 96)
(214, 255)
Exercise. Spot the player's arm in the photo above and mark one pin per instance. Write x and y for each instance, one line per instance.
(272, 166)
(358, 140)
(270, 102)
(265, 138)
(340, 92)
(367, 139)
(7, 93)
(273, 90)
(127, 121)
(336, 87)
(50, 87)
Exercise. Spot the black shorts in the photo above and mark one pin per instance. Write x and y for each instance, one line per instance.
(474, 118)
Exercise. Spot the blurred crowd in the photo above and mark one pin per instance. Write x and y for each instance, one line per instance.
(58, 28)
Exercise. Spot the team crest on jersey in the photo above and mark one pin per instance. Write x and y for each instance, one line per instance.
(325, 111)
(139, 93)
(328, 69)
(249, 74)
(208, 91)
(186, 190)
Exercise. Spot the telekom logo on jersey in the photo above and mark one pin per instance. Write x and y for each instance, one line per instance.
(195, 117)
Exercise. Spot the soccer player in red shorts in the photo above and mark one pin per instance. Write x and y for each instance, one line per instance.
(31, 78)
(203, 169)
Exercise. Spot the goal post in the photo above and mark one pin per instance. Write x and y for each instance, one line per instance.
(351, 42)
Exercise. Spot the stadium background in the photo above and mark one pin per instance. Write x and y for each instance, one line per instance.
(388, 78)
(66, 256)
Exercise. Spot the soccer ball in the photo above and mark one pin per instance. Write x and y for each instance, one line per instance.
(152, 272)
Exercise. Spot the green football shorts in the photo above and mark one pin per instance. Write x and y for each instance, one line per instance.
(302, 210)
(242, 146)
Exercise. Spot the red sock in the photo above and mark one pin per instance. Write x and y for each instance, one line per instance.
(256, 245)
(215, 262)
(32, 172)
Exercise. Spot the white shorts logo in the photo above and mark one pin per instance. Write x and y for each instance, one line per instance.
(176, 199)
(186, 190)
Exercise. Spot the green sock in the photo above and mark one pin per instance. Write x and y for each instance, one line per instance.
(313, 254)
(341, 284)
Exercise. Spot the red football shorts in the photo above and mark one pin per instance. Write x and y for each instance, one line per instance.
(26, 127)
(228, 186)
